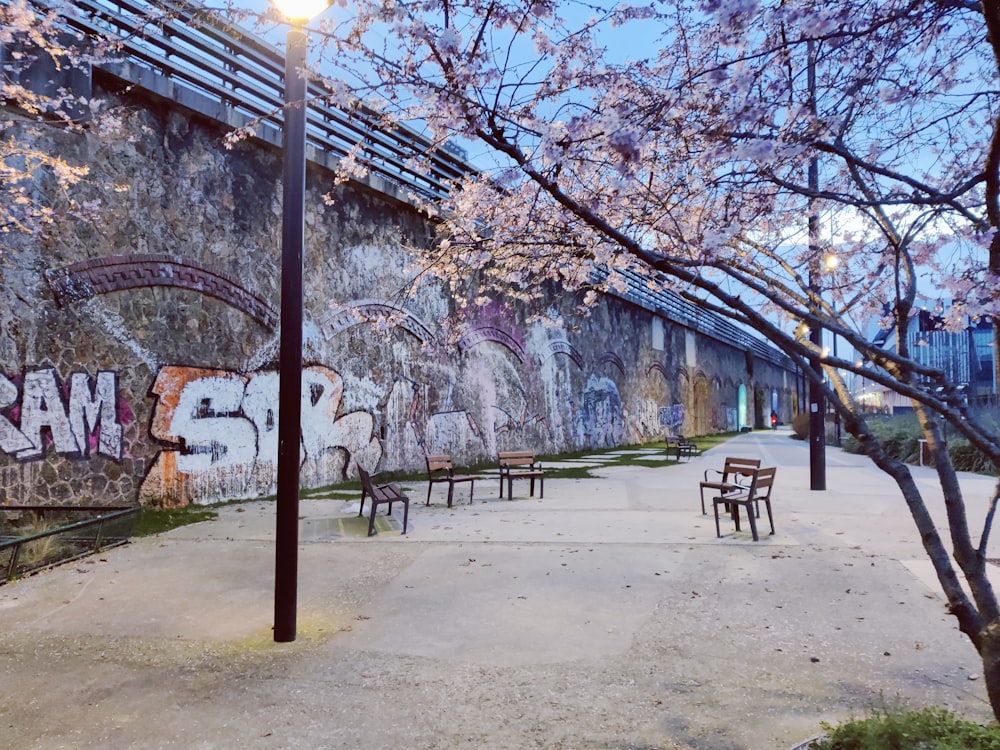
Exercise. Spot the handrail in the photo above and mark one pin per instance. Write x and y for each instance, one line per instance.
(12, 546)
(183, 43)
(673, 307)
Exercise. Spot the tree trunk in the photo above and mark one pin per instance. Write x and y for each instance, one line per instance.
(990, 653)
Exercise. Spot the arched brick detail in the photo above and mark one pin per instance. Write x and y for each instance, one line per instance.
(475, 336)
(610, 358)
(361, 311)
(564, 347)
(116, 273)
(657, 367)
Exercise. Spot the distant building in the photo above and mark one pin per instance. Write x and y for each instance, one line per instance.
(965, 357)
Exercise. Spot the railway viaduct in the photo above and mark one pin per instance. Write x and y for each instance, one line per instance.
(138, 351)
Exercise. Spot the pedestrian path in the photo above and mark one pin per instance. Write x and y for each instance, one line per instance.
(607, 614)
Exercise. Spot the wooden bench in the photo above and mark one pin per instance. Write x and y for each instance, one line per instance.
(759, 490)
(520, 465)
(381, 494)
(733, 474)
(440, 469)
(681, 446)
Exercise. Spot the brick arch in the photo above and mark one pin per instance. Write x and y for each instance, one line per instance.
(472, 337)
(116, 273)
(361, 311)
(701, 403)
(610, 358)
(564, 348)
(657, 367)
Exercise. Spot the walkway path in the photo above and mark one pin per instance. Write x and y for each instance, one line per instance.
(607, 615)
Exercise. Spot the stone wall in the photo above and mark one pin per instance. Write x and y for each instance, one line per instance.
(138, 351)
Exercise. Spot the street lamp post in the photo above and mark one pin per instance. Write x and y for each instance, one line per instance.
(830, 263)
(817, 402)
(290, 348)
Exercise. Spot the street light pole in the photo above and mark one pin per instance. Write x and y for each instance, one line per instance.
(817, 402)
(293, 220)
(290, 352)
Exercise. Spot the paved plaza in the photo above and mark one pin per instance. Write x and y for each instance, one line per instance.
(606, 615)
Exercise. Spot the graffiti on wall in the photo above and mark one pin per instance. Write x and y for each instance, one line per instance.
(222, 429)
(77, 421)
(672, 416)
(600, 421)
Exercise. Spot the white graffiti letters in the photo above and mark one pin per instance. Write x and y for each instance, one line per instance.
(12, 440)
(71, 425)
(90, 408)
(225, 429)
(208, 420)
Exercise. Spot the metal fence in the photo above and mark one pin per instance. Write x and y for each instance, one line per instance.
(673, 307)
(36, 537)
(240, 72)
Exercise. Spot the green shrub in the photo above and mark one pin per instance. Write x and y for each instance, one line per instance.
(851, 444)
(899, 434)
(901, 437)
(800, 426)
(898, 729)
(966, 457)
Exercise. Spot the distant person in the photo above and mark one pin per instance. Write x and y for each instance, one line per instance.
(774, 420)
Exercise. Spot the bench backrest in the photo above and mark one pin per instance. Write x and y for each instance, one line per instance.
(763, 481)
(739, 467)
(366, 481)
(516, 458)
(438, 463)
(371, 489)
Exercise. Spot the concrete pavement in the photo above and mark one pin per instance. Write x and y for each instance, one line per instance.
(606, 615)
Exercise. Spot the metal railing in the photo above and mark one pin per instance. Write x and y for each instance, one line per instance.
(191, 46)
(672, 306)
(35, 537)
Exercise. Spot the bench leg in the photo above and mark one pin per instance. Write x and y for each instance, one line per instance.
(531, 491)
(510, 487)
(472, 485)
(770, 518)
(718, 533)
(451, 492)
(430, 485)
(406, 513)
(364, 494)
(753, 522)
(501, 486)
(371, 518)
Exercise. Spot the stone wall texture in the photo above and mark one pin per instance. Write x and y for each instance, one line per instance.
(138, 352)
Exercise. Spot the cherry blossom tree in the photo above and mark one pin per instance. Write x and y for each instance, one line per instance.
(710, 161)
(705, 145)
(36, 182)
